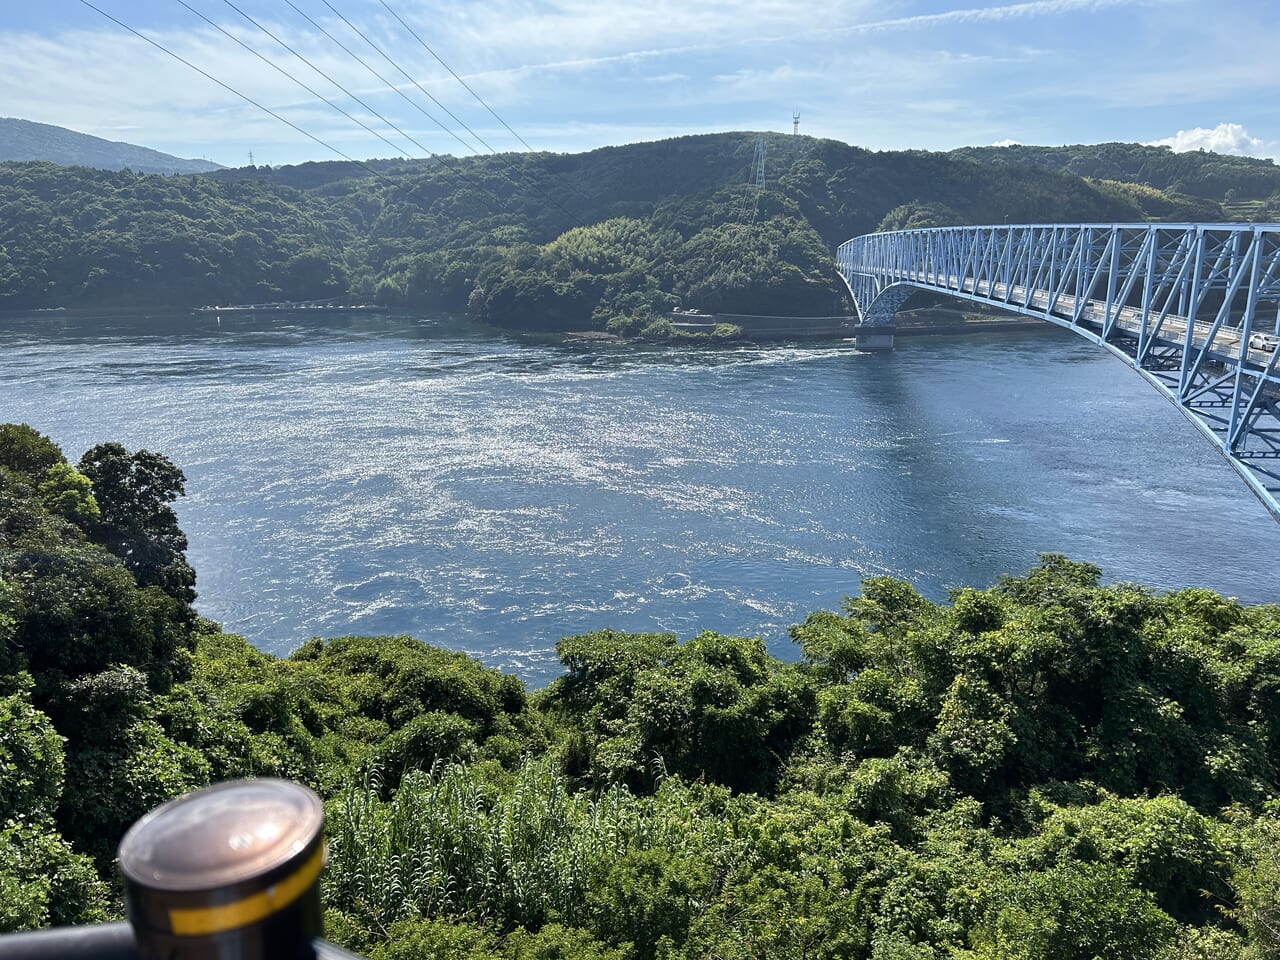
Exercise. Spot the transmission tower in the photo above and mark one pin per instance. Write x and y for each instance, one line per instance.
(795, 122)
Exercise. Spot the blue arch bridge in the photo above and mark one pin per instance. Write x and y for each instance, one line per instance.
(1194, 308)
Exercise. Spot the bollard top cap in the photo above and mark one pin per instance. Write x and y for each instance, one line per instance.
(221, 836)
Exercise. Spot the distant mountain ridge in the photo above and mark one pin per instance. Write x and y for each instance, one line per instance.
(1198, 173)
(616, 236)
(28, 140)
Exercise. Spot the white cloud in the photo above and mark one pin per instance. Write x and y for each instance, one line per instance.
(710, 28)
(1231, 138)
(1007, 143)
(575, 74)
(995, 14)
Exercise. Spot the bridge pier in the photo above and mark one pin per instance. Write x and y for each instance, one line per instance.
(873, 339)
(875, 332)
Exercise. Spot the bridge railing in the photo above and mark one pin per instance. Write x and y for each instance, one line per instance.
(1195, 307)
(1070, 259)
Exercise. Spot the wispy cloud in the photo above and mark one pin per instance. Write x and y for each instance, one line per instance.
(1010, 11)
(739, 29)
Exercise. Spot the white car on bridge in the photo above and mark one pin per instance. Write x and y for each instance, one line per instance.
(1264, 341)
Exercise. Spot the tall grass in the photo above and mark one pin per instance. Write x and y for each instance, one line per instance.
(448, 845)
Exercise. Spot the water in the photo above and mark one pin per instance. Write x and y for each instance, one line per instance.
(380, 474)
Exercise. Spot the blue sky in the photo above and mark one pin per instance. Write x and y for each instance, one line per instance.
(571, 75)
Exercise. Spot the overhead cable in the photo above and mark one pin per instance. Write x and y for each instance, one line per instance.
(285, 73)
(361, 34)
(413, 33)
(360, 60)
(445, 159)
(285, 120)
(225, 86)
(389, 123)
(509, 172)
(498, 202)
(507, 164)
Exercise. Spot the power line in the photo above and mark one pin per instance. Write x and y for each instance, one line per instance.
(285, 73)
(393, 126)
(479, 99)
(267, 110)
(387, 58)
(391, 86)
(417, 106)
(498, 203)
(227, 87)
(385, 82)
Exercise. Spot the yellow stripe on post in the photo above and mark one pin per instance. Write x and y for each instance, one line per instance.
(201, 921)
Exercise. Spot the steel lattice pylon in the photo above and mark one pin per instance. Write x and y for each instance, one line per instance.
(1178, 302)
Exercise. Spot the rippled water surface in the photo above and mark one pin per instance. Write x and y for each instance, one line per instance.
(382, 474)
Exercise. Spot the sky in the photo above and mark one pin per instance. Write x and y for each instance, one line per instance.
(397, 78)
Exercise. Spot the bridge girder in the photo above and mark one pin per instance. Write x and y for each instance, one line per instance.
(1180, 303)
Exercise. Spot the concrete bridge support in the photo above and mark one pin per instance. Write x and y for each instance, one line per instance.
(874, 339)
(875, 333)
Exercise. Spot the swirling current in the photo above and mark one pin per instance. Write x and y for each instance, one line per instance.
(384, 474)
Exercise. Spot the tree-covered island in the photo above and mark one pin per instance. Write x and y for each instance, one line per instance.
(1050, 768)
(609, 240)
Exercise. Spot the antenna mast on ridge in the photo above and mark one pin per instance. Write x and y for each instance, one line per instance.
(795, 122)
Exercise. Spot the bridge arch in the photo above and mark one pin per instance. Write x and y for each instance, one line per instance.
(1193, 308)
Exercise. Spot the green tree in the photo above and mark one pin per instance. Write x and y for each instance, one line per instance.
(1073, 911)
(133, 492)
(25, 450)
(715, 706)
(68, 492)
(42, 881)
(80, 612)
(1256, 879)
(31, 758)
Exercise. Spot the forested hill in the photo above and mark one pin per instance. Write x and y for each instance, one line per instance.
(607, 239)
(1212, 176)
(28, 140)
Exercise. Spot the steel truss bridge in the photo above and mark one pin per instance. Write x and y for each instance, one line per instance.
(1179, 303)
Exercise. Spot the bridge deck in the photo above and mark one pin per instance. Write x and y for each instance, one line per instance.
(1179, 303)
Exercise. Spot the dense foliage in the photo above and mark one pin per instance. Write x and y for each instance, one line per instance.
(610, 239)
(1052, 767)
(1211, 176)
